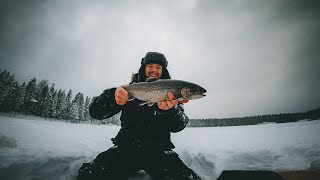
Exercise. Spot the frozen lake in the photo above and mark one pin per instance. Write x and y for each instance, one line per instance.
(32, 148)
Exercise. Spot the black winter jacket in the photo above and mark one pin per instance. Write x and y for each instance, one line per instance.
(141, 126)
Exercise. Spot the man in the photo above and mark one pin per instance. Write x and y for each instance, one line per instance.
(142, 146)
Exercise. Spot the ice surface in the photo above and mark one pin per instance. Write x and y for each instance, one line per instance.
(38, 149)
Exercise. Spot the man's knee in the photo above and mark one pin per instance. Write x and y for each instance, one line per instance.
(99, 167)
(175, 167)
(89, 172)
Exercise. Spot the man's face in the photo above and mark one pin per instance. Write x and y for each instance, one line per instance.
(153, 70)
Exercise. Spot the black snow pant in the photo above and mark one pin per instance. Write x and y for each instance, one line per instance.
(122, 164)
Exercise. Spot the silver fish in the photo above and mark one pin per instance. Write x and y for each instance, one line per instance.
(155, 90)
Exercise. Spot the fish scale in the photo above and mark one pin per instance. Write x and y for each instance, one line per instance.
(155, 90)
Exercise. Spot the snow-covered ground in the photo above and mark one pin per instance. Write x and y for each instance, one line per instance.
(37, 149)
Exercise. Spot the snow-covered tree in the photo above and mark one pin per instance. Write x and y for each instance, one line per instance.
(86, 109)
(13, 97)
(38, 99)
(81, 107)
(61, 103)
(50, 100)
(4, 78)
(68, 105)
(43, 98)
(3, 88)
(7, 83)
(77, 110)
(30, 96)
(74, 114)
(20, 101)
(53, 107)
(45, 102)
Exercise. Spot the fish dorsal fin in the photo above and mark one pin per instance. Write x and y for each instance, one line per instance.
(151, 79)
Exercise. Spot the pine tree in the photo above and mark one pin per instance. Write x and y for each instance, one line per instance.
(68, 105)
(42, 97)
(20, 101)
(4, 77)
(53, 107)
(6, 83)
(81, 107)
(30, 96)
(13, 97)
(12, 92)
(61, 103)
(75, 108)
(91, 119)
(51, 99)
(86, 109)
(45, 102)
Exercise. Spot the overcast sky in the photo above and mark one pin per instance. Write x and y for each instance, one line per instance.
(253, 57)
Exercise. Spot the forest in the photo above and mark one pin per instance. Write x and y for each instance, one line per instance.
(40, 98)
(253, 120)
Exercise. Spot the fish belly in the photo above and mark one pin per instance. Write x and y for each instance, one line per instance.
(150, 96)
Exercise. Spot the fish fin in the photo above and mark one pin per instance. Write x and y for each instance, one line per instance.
(143, 103)
(131, 99)
(180, 99)
(151, 79)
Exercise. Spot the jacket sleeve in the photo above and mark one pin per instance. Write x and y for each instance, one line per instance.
(174, 119)
(104, 106)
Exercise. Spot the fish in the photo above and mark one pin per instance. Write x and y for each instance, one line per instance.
(155, 90)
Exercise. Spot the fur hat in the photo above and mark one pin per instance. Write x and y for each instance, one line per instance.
(157, 58)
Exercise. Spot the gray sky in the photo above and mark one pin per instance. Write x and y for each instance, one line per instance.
(253, 57)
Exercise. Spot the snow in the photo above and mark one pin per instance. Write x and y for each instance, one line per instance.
(33, 148)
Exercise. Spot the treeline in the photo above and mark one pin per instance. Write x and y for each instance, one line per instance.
(253, 120)
(41, 99)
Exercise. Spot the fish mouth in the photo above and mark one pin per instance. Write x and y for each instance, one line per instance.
(196, 92)
(202, 92)
(197, 96)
